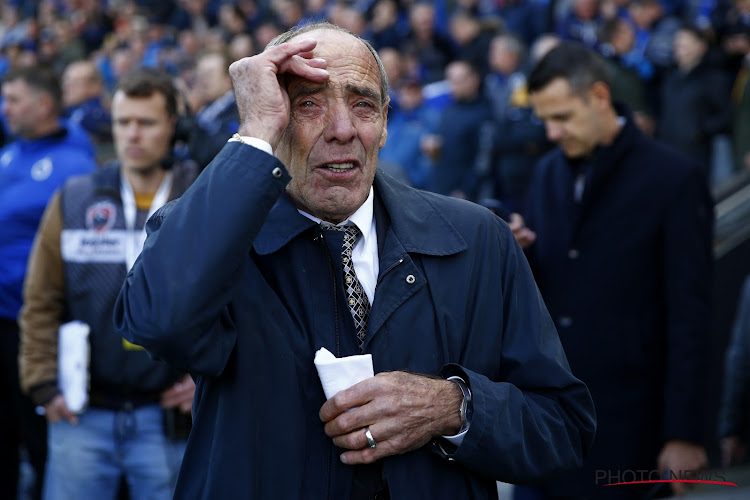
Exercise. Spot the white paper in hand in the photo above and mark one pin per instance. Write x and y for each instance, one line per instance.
(337, 374)
(73, 364)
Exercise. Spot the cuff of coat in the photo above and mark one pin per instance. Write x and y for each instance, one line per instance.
(44, 393)
(446, 448)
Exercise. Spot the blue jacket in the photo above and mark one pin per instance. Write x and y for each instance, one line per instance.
(238, 288)
(30, 171)
(93, 117)
(626, 275)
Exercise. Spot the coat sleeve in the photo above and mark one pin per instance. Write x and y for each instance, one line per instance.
(174, 299)
(688, 264)
(43, 309)
(733, 412)
(532, 418)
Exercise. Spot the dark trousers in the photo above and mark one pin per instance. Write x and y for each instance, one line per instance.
(19, 423)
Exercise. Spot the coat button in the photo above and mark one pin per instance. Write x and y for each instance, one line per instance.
(411, 279)
(573, 253)
(276, 172)
(565, 321)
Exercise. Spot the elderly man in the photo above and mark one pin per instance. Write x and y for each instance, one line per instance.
(253, 270)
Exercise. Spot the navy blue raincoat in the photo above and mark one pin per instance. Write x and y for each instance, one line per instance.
(238, 288)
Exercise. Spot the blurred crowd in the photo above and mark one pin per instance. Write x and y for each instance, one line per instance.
(457, 68)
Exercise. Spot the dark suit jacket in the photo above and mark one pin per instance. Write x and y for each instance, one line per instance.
(626, 275)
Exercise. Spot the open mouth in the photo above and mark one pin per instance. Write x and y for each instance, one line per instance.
(339, 167)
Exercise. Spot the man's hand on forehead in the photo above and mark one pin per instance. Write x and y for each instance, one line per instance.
(262, 102)
(296, 57)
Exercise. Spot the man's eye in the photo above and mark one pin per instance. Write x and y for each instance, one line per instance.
(307, 104)
(363, 104)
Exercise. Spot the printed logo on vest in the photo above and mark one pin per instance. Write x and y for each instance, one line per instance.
(101, 216)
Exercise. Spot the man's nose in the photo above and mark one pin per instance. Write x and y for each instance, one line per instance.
(341, 126)
(554, 131)
(132, 131)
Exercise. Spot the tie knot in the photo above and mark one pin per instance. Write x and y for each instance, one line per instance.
(351, 232)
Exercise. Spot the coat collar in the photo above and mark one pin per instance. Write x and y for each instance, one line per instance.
(607, 159)
(415, 221)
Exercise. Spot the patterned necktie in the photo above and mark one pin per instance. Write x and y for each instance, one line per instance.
(359, 305)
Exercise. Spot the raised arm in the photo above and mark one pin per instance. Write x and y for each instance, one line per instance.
(174, 300)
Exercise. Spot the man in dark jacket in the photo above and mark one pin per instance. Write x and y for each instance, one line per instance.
(623, 260)
(249, 273)
(90, 235)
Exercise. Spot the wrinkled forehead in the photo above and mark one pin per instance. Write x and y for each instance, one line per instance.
(348, 59)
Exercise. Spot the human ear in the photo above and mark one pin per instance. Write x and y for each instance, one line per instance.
(601, 93)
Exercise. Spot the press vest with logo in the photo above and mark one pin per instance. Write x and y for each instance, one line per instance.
(93, 244)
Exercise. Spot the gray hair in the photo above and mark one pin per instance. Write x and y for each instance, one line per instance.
(324, 25)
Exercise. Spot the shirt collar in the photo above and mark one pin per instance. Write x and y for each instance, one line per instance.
(362, 218)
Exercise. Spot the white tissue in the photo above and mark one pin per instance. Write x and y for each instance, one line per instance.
(337, 374)
(73, 364)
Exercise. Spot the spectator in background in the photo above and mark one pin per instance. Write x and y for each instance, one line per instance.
(395, 67)
(265, 32)
(741, 124)
(431, 49)
(240, 46)
(191, 15)
(516, 139)
(287, 12)
(217, 119)
(527, 19)
(384, 26)
(455, 147)
(733, 33)
(472, 39)
(617, 38)
(42, 156)
(83, 98)
(734, 413)
(695, 100)
(231, 20)
(581, 23)
(652, 54)
(408, 124)
(623, 259)
(315, 10)
(506, 57)
(123, 430)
